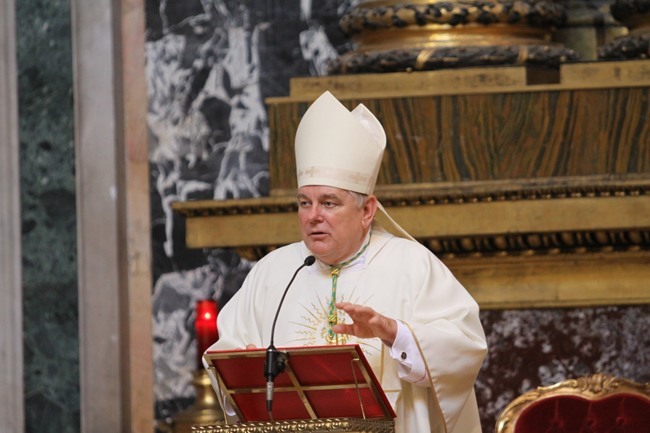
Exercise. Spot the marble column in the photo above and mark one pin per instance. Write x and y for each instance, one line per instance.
(113, 216)
(11, 355)
(48, 239)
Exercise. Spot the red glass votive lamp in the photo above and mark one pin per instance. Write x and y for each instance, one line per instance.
(205, 327)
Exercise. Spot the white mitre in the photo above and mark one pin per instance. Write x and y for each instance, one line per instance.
(337, 147)
(341, 148)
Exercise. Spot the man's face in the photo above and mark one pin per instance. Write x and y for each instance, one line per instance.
(332, 225)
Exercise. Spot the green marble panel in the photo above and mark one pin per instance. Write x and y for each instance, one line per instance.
(49, 240)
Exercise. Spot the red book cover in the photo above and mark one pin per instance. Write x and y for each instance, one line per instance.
(318, 382)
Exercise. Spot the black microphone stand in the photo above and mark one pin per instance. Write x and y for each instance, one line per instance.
(275, 360)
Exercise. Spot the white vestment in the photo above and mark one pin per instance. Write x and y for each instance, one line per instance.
(398, 278)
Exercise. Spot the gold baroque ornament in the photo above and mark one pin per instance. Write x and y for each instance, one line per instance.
(392, 36)
(317, 426)
(597, 385)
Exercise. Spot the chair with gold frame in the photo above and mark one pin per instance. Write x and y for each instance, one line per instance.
(593, 404)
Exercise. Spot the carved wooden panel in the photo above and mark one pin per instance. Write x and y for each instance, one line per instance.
(519, 134)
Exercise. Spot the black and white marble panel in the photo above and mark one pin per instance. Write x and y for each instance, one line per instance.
(210, 65)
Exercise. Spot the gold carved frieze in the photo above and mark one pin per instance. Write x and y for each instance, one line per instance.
(351, 425)
(543, 216)
(513, 244)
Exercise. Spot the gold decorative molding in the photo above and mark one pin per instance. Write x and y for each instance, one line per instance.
(502, 80)
(513, 244)
(559, 280)
(542, 216)
(351, 425)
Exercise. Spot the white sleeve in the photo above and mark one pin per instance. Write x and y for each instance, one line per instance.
(404, 350)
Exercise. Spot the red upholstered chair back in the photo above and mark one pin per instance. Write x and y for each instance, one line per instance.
(593, 404)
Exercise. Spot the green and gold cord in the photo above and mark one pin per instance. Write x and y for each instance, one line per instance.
(332, 317)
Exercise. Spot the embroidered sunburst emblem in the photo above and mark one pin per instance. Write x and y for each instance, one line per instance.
(313, 326)
(315, 323)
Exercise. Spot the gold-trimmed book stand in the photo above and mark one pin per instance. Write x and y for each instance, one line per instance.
(322, 388)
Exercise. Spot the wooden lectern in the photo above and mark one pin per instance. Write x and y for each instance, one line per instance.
(322, 388)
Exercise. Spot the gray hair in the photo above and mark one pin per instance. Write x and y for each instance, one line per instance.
(359, 198)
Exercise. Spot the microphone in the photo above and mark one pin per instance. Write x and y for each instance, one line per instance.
(276, 360)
